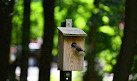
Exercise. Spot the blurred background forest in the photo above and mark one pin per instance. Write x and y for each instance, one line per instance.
(29, 38)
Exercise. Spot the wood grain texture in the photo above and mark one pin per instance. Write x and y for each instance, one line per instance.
(60, 51)
(72, 60)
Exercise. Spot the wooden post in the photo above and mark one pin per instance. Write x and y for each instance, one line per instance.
(66, 75)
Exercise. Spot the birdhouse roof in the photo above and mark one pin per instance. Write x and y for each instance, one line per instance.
(71, 31)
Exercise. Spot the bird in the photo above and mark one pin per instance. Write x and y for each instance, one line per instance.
(77, 47)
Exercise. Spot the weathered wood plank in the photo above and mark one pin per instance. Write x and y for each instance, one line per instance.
(72, 60)
(60, 51)
(71, 31)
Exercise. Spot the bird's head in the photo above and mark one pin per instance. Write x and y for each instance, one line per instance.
(73, 44)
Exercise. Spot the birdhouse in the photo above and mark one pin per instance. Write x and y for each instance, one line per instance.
(68, 58)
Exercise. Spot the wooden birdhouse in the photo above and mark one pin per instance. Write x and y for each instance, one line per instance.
(68, 58)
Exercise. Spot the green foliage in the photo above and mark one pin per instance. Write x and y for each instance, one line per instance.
(17, 22)
(108, 59)
(105, 19)
(77, 76)
(37, 19)
(108, 35)
(107, 46)
(107, 30)
(116, 43)
(78, 10)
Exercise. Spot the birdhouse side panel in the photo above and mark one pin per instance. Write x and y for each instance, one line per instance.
(72, 59)
(60, 51)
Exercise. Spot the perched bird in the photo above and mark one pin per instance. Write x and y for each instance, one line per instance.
(77, 48)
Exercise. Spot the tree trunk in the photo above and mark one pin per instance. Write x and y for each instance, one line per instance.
(128, 47)
(46, 50)
(25, 41)
(11, 73)
(6, 9)
(90, 74)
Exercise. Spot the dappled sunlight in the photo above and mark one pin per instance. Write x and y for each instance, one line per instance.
(107, 30)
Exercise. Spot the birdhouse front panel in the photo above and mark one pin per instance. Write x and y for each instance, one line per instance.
(73, 60)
